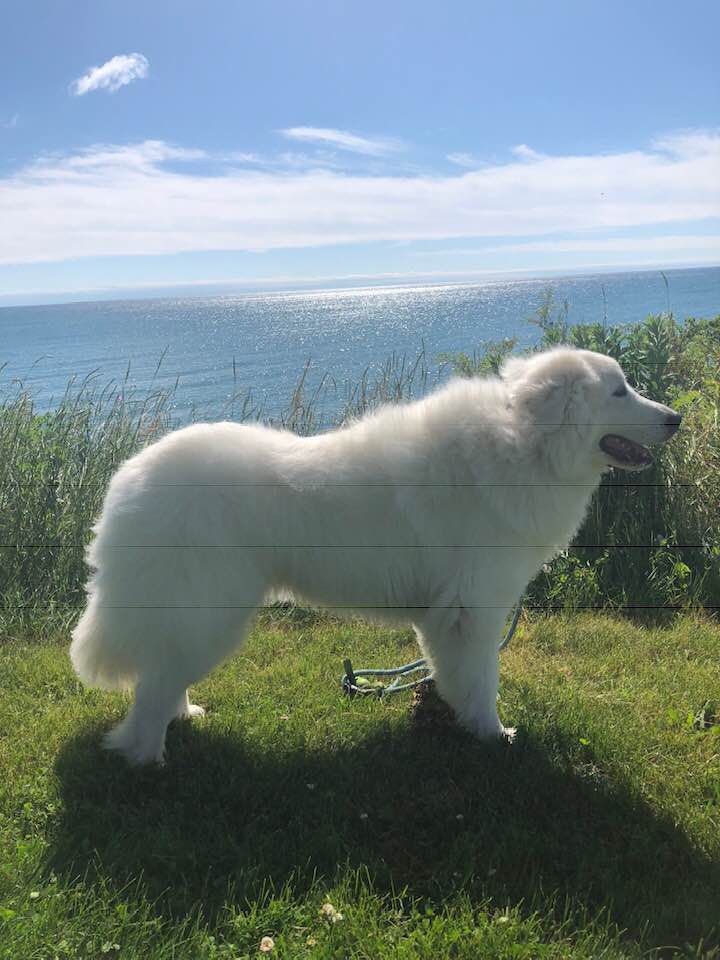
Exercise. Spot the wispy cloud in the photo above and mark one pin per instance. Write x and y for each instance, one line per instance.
(707, 245)
(462, 159)
(343, 140)
(523, 152)
(134, 199)
(113, 74)
(11, 123)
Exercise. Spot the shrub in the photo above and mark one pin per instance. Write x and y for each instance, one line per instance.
(650, 540)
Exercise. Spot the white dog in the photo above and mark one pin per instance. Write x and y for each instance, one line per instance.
(436, 512)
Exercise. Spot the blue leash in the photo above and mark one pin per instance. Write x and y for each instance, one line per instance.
(355, 682)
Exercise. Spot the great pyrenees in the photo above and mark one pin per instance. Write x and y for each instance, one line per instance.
(436, 512)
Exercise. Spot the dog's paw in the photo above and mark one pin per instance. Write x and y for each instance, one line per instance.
(194, 710)
(495, 733)
(122, 740)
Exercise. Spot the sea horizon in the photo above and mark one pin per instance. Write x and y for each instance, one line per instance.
(318, 284)
(214, 350)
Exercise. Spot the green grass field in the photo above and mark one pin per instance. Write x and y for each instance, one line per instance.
(595, 835)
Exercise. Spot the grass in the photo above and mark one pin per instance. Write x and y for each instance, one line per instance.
(595, 835)
(55, 468)
(650, 539)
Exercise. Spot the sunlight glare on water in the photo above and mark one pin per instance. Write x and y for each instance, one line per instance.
(270, 337)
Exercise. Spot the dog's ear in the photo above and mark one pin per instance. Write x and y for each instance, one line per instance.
(548, 402)
(548, 387)
(554, 400)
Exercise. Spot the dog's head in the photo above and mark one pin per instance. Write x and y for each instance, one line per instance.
(584, 412)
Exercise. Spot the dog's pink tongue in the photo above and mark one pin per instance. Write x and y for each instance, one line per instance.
(624, 450)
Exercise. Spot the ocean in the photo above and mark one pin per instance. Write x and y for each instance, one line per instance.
(214, 349)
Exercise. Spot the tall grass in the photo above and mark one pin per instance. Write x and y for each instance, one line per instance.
(332, 404)
(650, 540)
(55, 467)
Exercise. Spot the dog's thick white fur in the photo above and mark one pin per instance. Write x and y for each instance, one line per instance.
(436, 512)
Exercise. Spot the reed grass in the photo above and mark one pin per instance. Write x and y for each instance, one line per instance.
(651, 541)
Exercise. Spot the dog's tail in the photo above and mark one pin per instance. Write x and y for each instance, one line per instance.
(96, 650)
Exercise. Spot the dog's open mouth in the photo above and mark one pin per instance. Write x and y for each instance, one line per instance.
(625, 453)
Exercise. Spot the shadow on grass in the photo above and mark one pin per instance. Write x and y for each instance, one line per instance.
(432, 811)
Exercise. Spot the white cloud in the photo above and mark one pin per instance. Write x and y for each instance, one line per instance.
(523, 152)
(461, 159)
(126, 200)
(342, 140)
(115, 73)
(670, 244)
(705, 245)
(686, 143)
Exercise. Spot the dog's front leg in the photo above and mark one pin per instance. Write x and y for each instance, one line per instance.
(462, 646)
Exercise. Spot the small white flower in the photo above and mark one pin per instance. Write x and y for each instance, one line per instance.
(329, 913)
(267, 945)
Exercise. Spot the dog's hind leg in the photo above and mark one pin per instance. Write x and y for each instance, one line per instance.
(141, 735)
(462, 646)
(188, 710)
(186, 647)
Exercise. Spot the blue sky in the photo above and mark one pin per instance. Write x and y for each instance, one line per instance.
(155, 144)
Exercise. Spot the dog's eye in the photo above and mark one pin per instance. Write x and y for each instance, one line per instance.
(621, 391)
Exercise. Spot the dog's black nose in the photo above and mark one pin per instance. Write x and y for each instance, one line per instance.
(674, 422)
